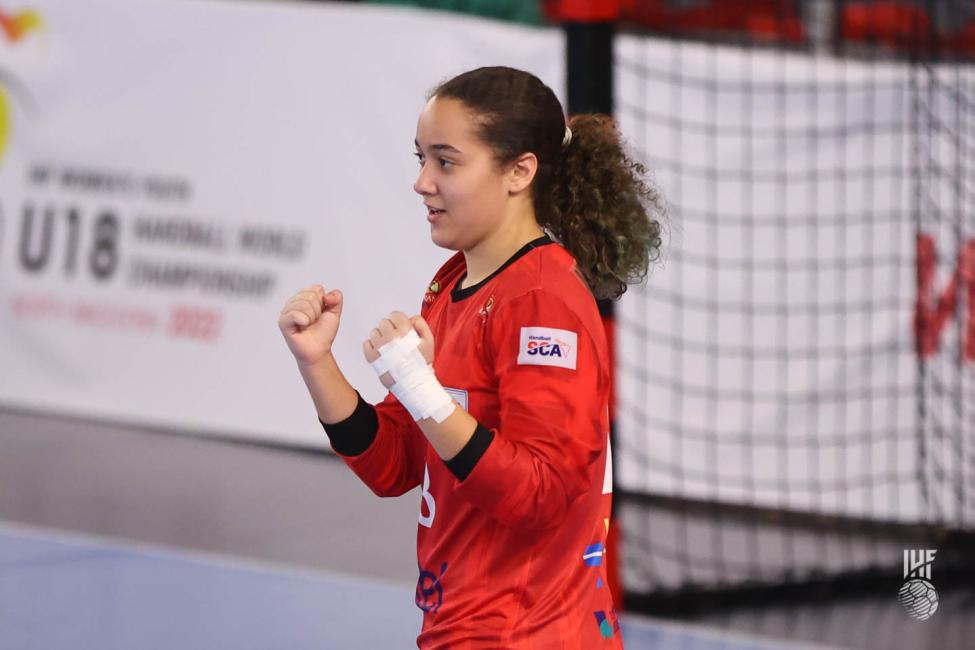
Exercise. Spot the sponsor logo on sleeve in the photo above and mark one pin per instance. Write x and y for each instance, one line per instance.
(547, 346)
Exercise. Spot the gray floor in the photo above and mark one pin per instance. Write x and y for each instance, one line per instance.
(308, 510)
(65, 591)
(196, 493)
(72, 592)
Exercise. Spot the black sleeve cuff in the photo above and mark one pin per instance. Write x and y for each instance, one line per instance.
(353, 435)
(466, 459)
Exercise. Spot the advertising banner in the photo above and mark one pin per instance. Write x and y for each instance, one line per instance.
(171, 172)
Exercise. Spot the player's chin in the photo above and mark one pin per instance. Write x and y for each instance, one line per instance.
(443, 238)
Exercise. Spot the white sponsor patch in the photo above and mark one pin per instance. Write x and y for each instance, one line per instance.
(547, 346)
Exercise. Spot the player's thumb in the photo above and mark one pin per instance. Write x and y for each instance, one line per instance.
(426, 337)
(333, 302)
(422, 329)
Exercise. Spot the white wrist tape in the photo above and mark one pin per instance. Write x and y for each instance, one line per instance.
(416, 384)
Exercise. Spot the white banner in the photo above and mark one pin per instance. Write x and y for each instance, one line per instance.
(170, 172)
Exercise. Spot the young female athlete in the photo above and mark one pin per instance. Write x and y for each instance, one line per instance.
(498, 407)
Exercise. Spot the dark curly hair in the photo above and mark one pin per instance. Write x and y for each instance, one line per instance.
(589, 195)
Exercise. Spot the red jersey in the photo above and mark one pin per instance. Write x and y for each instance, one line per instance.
(512, 532)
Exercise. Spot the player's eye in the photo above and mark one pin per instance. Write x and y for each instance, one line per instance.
(443, 161)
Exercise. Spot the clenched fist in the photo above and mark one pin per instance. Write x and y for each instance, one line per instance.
(310, 321)
(392, 327)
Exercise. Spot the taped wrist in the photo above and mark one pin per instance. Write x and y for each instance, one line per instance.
(416, 387)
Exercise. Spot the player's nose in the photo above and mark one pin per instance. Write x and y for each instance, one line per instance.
(424, 184)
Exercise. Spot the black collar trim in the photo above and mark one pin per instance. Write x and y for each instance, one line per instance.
(459, 294)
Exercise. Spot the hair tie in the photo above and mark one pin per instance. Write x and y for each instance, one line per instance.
(567, 138)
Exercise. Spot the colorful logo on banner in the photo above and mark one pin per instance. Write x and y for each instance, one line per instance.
(14, 28)
(17, 25)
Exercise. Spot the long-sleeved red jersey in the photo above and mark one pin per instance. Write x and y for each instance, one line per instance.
(512, 531)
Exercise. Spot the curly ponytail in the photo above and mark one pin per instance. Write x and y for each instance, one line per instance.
(589, 194)
(601, 208)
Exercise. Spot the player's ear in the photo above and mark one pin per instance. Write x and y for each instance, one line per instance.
(521, 172)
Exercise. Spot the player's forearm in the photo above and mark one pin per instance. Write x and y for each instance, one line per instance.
(400, 349)
(450, 436)
(334, 397)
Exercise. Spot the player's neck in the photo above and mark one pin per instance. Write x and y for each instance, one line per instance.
(485, 258)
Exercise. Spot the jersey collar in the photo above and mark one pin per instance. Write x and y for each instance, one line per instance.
(459, 294)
